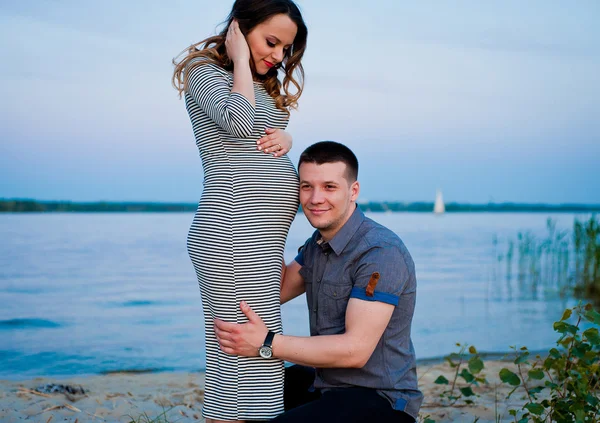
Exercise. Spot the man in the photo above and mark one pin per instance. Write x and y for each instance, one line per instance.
(358, 365)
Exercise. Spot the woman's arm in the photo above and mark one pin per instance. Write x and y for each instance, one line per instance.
(208, 85)
(239, 53)
(233, 109)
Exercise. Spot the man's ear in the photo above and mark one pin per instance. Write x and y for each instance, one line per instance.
(355, 189)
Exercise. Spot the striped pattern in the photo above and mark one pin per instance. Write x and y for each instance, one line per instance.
(237, 238)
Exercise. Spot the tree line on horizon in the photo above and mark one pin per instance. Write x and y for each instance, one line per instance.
(34, 206)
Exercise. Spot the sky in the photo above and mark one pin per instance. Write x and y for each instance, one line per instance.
(486, 101)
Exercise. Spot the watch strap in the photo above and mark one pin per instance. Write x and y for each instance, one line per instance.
(269, 339)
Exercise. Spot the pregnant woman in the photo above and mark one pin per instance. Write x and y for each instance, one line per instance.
(239, 109)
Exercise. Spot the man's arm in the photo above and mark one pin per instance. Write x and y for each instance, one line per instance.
(292, 283)
(365, 324)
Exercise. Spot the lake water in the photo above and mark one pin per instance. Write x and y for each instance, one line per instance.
(89, 293)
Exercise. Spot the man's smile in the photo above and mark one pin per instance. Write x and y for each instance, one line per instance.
(318, 212)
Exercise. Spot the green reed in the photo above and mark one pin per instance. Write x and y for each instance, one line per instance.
(560, 263)
(586, 240)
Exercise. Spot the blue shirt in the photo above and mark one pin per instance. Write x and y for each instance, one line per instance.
(341, 269)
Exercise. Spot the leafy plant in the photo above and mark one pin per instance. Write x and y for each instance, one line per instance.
(470, 375)
(564, 386)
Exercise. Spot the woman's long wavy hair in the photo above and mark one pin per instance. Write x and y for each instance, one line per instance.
(249, 14)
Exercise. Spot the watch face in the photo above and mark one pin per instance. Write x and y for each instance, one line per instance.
(265, 352)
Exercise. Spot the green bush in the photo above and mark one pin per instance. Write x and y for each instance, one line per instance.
(563, 386)
(471, 375)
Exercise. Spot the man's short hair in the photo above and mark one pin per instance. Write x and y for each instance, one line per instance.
(331, 152)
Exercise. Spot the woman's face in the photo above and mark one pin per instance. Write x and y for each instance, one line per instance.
(269, 41)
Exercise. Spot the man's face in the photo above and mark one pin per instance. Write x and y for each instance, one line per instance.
(328, 199)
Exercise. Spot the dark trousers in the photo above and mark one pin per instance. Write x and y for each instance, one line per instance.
(345, 405)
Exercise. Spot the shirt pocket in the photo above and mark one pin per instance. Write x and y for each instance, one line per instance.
(333, 301)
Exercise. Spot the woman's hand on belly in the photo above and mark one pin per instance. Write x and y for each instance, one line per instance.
(275, 141)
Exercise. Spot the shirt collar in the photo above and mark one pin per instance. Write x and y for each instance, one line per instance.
(345, 234)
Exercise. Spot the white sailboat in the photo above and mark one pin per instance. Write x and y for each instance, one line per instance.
(439, 207)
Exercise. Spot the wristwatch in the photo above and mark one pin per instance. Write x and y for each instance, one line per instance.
(266, 351)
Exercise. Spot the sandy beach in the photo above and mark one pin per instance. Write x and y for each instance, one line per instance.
(126, 397)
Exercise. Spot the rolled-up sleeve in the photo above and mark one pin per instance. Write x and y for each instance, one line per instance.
(386, 270)
(209, 87)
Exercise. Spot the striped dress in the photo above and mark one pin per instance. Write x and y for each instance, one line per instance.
(237, 238)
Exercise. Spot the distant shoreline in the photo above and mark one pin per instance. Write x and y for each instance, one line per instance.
(35, 206)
